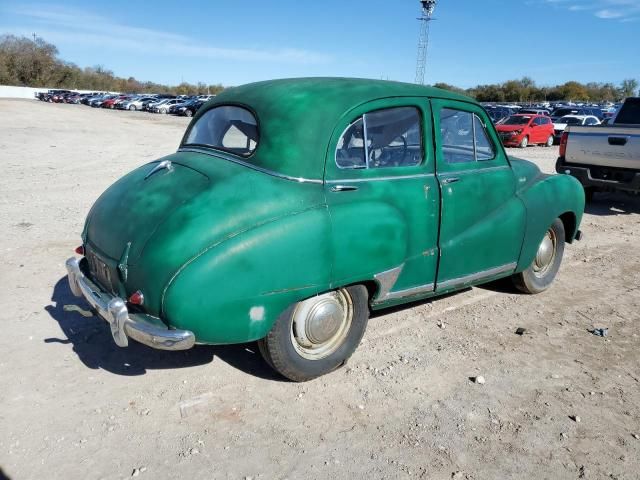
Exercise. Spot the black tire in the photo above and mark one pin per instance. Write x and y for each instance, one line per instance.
(279, 350)
(536, 278)
(550, 142)
(524, 143)
(132, 108)
(188, 113)
(588, 194)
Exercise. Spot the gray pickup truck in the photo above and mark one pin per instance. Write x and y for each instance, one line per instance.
(604, 157)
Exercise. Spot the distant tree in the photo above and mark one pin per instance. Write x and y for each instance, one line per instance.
(629, 87)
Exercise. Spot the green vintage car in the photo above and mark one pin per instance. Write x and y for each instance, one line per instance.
(294, 207)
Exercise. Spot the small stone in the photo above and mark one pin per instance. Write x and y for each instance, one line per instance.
(555, 376)
(636, 436)
(136, 472)
(361, 407)
(194, 451)
(575, 418)
(457, 475)
(479, 379)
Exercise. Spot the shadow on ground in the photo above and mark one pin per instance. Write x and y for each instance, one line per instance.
(613, 203)
(92, 342)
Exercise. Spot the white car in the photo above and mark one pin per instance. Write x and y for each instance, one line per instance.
(562, 123)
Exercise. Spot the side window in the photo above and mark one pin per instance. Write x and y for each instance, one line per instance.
(384, 138)
(464, 137)
(456, 130)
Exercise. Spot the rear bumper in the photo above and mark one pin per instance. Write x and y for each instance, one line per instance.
(605, 178)
(145, 329)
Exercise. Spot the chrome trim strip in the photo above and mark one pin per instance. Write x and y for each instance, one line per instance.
(253, 167)
(409, 292)
(124, 326)
(379, 179)
(455, 282)
(476, 170)
(388, 279)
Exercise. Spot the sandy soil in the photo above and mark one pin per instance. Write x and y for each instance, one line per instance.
(73, 405)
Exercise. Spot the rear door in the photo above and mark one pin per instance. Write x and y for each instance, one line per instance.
(383, 198)
(482, 219)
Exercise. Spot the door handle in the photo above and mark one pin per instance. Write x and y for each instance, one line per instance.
(344, 188)
(619, 141)
(449, 180)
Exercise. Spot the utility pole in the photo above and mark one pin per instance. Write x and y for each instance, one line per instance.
(35, 37)
(426, 13)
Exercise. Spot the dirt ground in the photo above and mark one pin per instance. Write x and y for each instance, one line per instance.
(558, 402)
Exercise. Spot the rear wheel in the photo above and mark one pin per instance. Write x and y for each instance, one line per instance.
(188, 113)
(550, 141)
(525, 142)
(544, 268)
(132, 107)
(315, 336)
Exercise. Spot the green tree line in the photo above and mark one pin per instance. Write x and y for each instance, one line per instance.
(525, 90)
(35, 63)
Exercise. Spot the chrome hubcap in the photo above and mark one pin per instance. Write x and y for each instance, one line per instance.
(320, 324)
(546, 254)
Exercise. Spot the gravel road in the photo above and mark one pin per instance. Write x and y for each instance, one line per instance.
(557, 402)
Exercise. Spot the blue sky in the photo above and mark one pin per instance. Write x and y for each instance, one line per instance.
(232, 42)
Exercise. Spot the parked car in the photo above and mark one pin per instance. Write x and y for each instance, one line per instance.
(499, 114)
(261, 228)
(189, 109)
(523, 130)
(561, 124)
(163, 106)
(135, 103)
(534, 111)
(604, 157)
(564, 111)
(110, 102)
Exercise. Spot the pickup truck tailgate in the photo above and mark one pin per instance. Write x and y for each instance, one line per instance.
(606, 146)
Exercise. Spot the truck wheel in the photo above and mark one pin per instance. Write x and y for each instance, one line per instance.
(550, 141)
(315, 336)
(588, 194)
(524, 143)
(542, 271)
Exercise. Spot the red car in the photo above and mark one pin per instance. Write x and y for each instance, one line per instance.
(522, 130)
(110, 103)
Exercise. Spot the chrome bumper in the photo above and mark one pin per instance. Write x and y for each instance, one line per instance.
(142, 328)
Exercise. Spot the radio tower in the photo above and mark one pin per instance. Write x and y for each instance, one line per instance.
(427, 7)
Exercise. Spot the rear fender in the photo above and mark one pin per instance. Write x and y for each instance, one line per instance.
(234, 291)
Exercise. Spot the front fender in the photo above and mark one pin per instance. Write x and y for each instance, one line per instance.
(546, 199)
(234, 291)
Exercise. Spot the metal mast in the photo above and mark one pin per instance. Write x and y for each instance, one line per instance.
(427, 7)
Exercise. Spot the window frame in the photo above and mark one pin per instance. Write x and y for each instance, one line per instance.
(363, 117)
(202, 113)
(499, 160)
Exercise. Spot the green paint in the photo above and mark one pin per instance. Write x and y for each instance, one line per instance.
(222, 249)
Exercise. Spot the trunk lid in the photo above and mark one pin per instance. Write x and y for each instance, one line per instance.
(131, 209)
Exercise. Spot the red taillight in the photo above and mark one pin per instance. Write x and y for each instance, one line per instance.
(80, 250)
(563, 143)
(137, 298)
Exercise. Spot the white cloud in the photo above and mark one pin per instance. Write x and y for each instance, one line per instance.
(60, 25)
(621, 10)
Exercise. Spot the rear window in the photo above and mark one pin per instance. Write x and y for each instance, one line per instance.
(630, 112)
(515, 120)
(228, 128)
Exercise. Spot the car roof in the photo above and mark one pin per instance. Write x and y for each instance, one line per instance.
(308, 110)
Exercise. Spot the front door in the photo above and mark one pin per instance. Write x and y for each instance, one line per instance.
(482, 219)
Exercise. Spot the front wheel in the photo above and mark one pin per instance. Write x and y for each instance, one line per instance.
(525, 142)
(544, 268)
(188, 113)
(315, 336)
